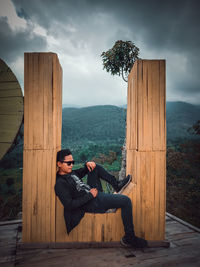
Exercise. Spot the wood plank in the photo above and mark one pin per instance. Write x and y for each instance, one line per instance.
(10, 93)
(172, 217)
(49, 139)
(108, 228)
(26, 102)
(137, 203)
(27, 203)
(149, 134)
(113, 231)
(24, 197)
(163, 191)
(131, 130)
(140, 125)
(147, 138)
(57, 99)
(6, 73)
(41, 167)
(53, 196)
(149, 197)
(28, 95)
(9, 127)
(10, 86)
(99, 224)
(34, 196)
(128, 117)
(83, 245)
(157, 197)
(11, 105)
(40, 148)
(162, 86)
(48, 194)
(149, 157)
(38, 105)
(154, 75)
(60, 223)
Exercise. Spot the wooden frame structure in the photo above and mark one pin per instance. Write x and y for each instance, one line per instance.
(146, 146)
(42, 139)
(43, 219)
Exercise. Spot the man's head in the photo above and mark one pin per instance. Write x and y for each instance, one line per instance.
(65, 161)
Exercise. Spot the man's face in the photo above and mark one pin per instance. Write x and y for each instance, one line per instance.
(63, 166)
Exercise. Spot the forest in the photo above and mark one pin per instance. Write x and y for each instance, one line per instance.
(97, 133)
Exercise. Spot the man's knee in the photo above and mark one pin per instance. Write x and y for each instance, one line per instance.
(98, 168)
(126, 200)
(94, 170)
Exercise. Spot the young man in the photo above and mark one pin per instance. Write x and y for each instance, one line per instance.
(78, 197)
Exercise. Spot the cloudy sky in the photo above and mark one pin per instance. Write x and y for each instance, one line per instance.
(80, 30)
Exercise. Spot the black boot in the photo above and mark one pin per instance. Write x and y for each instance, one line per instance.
(123, 184)
(135, 242)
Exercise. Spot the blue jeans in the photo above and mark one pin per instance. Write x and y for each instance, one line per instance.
(105, 201)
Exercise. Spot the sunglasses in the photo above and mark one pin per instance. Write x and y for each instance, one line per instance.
(69, 162)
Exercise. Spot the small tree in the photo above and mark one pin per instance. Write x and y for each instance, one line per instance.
(120, 58)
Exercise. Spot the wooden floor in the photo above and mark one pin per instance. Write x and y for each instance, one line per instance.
(184, 250)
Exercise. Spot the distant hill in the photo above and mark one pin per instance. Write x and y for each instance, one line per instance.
(95, 123)
(105, 126)
(107, 123)
(180, 117)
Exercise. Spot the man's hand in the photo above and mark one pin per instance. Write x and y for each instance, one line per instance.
(94, 192)
(91, 165)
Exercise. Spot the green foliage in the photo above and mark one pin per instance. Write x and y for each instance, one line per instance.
(10, 193)
(120, 58)
(10, 208)
(195, 129)
(93, 126)
(98, 129)
(183, 181)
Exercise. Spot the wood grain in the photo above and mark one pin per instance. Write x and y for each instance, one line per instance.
(42, 140)
(146, 153)
(11, 108)
(43, 219)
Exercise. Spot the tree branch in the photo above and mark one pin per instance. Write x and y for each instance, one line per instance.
(123, 76)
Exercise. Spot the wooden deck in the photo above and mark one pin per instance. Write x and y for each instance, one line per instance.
(184, 250)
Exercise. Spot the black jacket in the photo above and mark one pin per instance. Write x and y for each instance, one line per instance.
(71, 198)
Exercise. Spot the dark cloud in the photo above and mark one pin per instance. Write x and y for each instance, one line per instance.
(161, 23)
(163, 29)
(13, 44)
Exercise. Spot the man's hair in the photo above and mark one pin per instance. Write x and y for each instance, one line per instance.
(62, 153)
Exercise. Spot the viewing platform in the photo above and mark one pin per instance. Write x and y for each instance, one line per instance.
(184, 250)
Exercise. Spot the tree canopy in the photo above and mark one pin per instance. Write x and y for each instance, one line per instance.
(120, 58)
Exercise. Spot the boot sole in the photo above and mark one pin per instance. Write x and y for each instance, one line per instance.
(125, 244)
(131, 246)
(125, 185)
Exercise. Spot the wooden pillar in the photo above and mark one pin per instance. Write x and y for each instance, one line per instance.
(42, 139)
(146, 146)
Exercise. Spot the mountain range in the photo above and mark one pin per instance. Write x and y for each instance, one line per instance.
(103, 127)
(107, 123)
